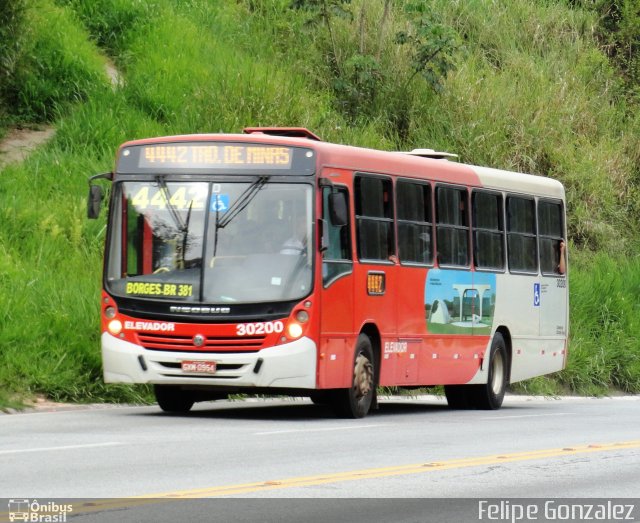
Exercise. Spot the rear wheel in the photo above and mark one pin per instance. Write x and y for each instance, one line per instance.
(487, 396)
(457, 396)
(356, 401)
(173, 399)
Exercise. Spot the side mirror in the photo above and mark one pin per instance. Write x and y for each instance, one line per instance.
(338, 209)
(94, 202)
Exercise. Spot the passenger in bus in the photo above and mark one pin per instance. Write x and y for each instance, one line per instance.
(562, 263)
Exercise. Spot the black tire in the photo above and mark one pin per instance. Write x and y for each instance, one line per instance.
(356, 401)
(173, 399)
(488, 396)
(320, 397)
(457, 396)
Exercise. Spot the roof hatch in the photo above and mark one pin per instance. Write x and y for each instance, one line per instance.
(293, 132)
(430, 153)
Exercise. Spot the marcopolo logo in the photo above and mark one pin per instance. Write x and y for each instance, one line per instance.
(38, 512)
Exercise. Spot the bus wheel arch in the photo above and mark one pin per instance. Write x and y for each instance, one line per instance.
(506, 336)
(489, 396)
(360, 397)
(370, 330)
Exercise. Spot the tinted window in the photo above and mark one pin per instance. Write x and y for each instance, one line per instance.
(452, 219)
(337, 256)
(521, 237)
(374, 218)
(488, 232)
(550, 219)
(415, 236)
(551, 236)
(522, 217)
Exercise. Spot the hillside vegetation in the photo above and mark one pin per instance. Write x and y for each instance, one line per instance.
(547, 87)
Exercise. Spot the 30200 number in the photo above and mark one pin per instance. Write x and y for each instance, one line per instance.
(266, 327)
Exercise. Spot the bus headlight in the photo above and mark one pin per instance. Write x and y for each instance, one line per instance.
(294, 330)
(115, 327)
(110, 313)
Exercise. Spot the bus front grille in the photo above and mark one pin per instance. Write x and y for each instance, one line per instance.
(212, 344)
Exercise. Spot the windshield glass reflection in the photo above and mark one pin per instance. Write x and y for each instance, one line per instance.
(215, 242)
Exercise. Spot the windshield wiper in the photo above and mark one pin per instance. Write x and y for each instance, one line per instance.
(238, 206)
(241, 203)
(173, 212)
(183, 227)
(185, 234)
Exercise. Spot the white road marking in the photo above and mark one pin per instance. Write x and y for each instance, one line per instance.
(65, 447)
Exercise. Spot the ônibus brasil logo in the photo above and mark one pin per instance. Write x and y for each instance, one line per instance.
(40, 512)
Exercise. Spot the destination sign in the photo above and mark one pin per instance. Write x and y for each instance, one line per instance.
(219, 157)
(176, 290)
(229, 156)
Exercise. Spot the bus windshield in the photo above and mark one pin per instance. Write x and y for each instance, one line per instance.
(211, 242)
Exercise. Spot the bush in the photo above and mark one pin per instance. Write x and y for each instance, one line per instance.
(110, 22)
(605, 325)
(56, 65)
(11, 40)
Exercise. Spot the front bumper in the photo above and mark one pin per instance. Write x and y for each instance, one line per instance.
(291, 365)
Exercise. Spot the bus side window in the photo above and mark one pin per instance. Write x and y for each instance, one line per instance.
(337, 257)
(415, 236)
(488, 230)
(452, 224)
(374, 218)
(521, 235)
(551, 237)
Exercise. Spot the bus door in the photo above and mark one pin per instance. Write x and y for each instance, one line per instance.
(335, 364)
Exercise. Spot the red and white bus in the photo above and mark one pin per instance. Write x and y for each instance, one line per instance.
(272, 262)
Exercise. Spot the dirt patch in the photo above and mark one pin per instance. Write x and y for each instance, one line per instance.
(41, 404)
(17, 145)
(113, 74)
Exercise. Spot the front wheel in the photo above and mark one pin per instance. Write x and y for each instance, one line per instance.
(173, 399)
(356, 401)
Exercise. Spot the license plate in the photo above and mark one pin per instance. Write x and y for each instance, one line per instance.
(199, 367)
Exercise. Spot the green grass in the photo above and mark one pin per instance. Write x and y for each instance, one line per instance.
(605, 325)
(57, 64)
(531, 91)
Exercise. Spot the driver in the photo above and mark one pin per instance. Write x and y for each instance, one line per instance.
(297, 244)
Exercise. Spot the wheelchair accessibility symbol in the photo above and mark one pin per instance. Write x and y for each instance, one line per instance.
(220, 203)
(536, 295)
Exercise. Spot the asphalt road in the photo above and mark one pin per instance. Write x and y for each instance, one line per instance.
(416, 448)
